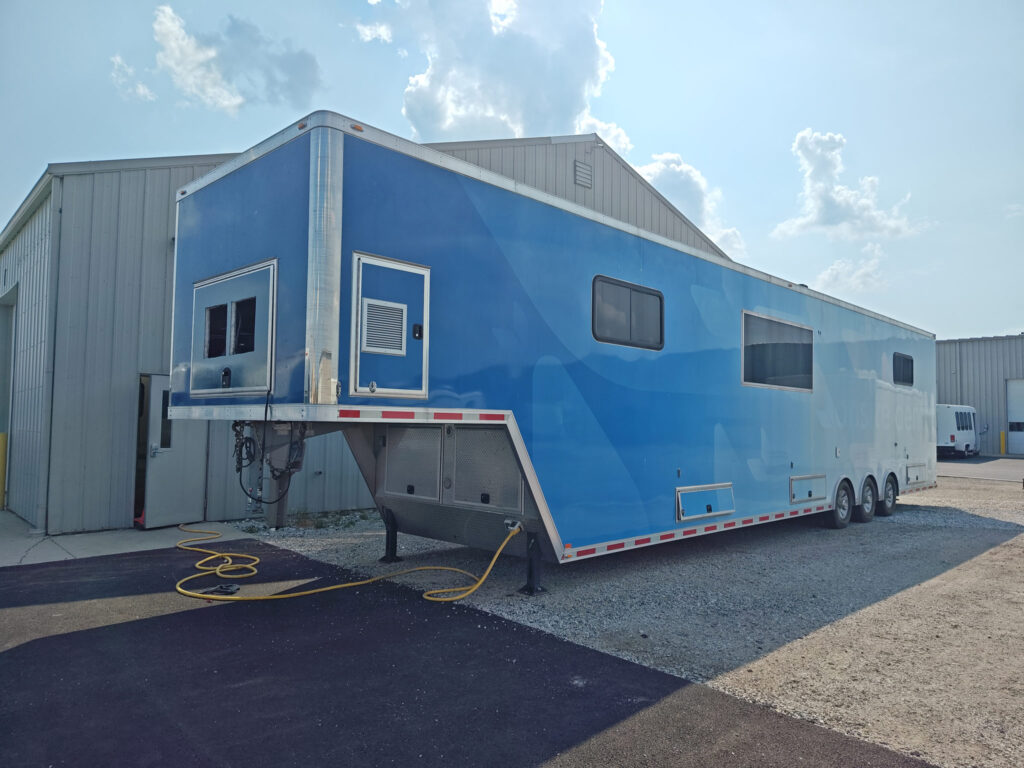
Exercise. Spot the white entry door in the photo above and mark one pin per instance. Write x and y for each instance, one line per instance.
(175, 462)
(1015, 416)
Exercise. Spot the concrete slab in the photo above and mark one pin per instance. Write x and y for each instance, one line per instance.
(984, 468)
(20, 545)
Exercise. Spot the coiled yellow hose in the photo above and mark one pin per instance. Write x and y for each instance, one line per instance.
(237, 565)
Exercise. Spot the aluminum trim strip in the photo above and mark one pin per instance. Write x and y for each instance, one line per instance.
(323, 280)
(709, 487)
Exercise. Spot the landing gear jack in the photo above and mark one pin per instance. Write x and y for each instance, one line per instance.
(532, 586)
(390, 538)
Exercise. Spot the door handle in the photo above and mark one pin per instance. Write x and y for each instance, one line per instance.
(154, 449)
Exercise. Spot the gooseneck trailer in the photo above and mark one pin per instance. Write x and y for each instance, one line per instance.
(495, 354)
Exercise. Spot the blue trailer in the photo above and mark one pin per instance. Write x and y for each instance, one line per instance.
(495, 354)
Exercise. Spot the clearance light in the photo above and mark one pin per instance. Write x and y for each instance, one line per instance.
(356, 127)
(301, 126)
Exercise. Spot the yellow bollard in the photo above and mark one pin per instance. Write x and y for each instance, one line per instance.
(3, 470)
(1002, 443)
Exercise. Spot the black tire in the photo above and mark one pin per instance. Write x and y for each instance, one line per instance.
(842, 509)
(865, 511)
(886, 504)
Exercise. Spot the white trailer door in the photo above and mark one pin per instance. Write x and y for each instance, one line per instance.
(175, 463)
(1015, 415)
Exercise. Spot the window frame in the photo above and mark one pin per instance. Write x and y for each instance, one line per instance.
(743, 352)
(632, 287)
(905, 357)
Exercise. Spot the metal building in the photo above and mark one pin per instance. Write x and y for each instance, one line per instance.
(988, 374)
(584, 170)
(85, 294)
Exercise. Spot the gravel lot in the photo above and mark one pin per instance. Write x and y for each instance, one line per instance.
(907, 632)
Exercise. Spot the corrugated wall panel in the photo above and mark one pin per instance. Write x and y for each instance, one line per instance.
(124, 371)
(974, 372)
(26, 264)
(155, 246)
(70, 448)
(330, 479)
(113, 324)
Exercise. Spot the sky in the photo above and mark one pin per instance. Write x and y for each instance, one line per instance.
(872, 150)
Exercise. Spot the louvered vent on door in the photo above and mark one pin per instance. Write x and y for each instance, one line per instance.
(383, 327)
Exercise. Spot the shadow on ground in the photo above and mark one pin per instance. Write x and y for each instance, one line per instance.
(365, 676)
(703, 607)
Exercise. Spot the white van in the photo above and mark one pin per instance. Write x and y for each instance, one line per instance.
(956, 432)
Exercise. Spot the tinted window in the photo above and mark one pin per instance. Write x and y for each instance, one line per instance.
(628, 314)
(902, 369)
(216, 330)
(777, 354)
(959, 421)
(244, 338)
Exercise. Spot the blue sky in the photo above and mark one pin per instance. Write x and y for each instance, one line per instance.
(872, 150)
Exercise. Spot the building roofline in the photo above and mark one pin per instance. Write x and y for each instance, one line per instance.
(983, 338)
(41, 189)
(582, 138)
(37, 195)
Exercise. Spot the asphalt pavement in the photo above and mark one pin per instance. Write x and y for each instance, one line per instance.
(101, 663)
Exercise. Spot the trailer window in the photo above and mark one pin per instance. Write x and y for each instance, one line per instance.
(624, 313)
(244, 337)
(902, 369)
(776, 353)
(216, 330)
(959, 421)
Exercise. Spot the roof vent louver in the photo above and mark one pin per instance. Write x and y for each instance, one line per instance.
(584, 173)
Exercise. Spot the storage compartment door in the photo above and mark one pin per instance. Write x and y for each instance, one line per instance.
(390, 328)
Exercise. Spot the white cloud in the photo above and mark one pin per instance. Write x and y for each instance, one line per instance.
(830, 207)
(370, 32)
(846, 276)
(503, 13)
(226, 70)
(529, 67)
(122, 75)
(615, 136)
(373, 2)
(1014, 210)
(402, 53)
(192, 66)
(688, 190)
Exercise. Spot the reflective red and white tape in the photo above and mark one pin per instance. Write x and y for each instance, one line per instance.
(699, 530)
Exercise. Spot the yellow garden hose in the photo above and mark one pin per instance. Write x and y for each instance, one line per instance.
(231, 568)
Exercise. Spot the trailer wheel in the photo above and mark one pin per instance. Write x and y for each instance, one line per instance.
(865, 511)
(887, 502)
(839, 515)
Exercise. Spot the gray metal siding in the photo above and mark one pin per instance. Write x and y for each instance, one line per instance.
(330, 479)
(617, 191)
(113, 323)
(25, 264)
(974, 372)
